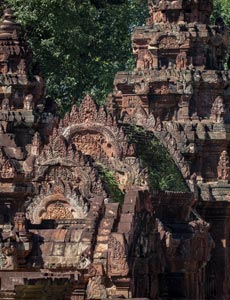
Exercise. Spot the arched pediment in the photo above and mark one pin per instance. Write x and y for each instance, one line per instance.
(97, 140)
(56, 207)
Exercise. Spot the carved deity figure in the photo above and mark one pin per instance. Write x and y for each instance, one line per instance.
(8, 171)
(148, 60)
(96, 289)
(181, 61)
(10, 258)
(20, 222)
(223, 166)
(217, 110)
(145, 60)
(28, 102)
(5, 104)
(22, 67)
(117, 264)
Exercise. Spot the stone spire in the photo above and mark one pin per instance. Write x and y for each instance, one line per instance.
(179, 11)
(9, 25)
(178, 34)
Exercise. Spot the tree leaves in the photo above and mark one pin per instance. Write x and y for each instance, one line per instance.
(79, 45)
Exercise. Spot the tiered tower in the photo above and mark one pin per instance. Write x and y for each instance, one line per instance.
(64, 235)
(22, 112)
(180, 91)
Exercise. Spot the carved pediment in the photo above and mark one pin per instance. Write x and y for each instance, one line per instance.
(8, 170)
(57, 211)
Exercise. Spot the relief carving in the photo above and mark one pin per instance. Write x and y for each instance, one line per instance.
(20, 222)
(145, 60)
(117, 261)
(9, 256)
(223, 166)
(169, 42)
(218, 110)
(96, 288)
(181, 61)
(57, 211)
(8, 170)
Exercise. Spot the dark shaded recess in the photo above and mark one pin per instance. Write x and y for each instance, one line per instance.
(101, 3)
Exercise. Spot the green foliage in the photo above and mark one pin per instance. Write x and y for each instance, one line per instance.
(163, 172)
(79, 45)
(221, 9)
(111, 185)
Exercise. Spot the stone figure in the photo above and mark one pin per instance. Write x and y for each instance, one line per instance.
(10, 257)
(20, 222)
(95, 288)
(217, 110)
(223, 166)
(28, 102)
(5, 104)
(181, 61)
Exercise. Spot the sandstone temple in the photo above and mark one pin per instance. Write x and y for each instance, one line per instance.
(62, 235)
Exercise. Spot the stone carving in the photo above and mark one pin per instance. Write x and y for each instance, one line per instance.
(28, 102)
(223, 166)
(130, 173)
(117, 263)
(55, 201)
(217, 110)
(20, 222)
(22, 67)
(88, 110)
(10, 257)
(57, 211)
(85, 259)
(70, 236)
(5, 104)
(181, 61)
(8, 170)
(145, 60)
(96, 289)
(169, 42)
(92, 144)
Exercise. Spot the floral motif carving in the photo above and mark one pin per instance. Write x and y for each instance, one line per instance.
(88, 110)
(57, 211)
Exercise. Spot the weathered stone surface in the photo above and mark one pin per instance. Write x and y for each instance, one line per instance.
(62, 236)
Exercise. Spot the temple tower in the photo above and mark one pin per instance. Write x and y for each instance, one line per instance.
(180, 91)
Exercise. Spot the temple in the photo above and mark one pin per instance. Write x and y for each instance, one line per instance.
(63, 234)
